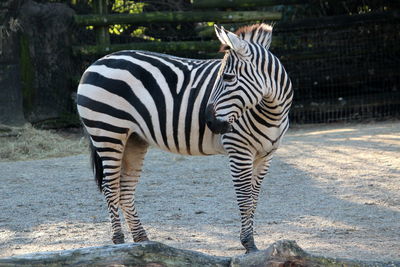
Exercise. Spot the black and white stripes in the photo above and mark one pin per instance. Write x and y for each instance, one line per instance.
(238, 106)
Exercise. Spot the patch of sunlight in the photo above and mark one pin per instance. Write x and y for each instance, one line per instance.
(141, 33)
(132, 7)
(330, 131)
(323, 224)
(53, 236)
(381, 138)
(125, 6)
(388, 136)
(117, 29)
(30, 143)
(6, 235)
(204, 238)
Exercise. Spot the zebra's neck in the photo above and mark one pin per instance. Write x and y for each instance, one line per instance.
(275, 105)
(274, 111)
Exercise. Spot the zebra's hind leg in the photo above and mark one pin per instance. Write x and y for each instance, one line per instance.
(132, 163)
(110, 157)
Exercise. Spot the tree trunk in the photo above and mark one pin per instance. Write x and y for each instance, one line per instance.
(153, 254)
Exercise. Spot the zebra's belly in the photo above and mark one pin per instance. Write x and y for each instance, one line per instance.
(194, 145)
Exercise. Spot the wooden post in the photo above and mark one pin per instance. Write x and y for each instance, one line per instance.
(102, 35)
(206, 4)
(176, 16)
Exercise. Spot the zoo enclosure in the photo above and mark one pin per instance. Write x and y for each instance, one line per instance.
(343, 67)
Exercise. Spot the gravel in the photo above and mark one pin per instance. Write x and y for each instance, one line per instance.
(335, 189)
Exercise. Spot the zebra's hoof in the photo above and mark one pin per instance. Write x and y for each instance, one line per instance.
(118, 238)
(248, 244)
(140, 239)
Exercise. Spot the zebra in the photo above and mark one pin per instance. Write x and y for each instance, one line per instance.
(238, 106)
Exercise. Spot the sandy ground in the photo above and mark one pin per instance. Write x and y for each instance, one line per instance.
(334, 189)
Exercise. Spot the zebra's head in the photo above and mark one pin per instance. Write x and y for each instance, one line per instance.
(241, 81)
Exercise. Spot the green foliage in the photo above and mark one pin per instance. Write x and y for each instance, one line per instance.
(319, 8)
(129, 7)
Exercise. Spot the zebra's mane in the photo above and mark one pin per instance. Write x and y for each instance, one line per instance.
(260, 33)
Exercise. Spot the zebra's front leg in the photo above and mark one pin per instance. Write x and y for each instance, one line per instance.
(241, 166)
(132, 163)
(261, 166)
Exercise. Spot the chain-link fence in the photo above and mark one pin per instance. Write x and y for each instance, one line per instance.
(343, 68)
(343, 71)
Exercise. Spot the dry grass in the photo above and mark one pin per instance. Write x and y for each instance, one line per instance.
(28, 143)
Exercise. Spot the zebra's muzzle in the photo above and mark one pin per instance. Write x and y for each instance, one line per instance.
(216, 126)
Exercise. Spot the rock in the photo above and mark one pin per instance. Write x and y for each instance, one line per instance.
(281, 253)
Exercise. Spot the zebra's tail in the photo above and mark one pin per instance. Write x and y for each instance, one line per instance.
(97, 166)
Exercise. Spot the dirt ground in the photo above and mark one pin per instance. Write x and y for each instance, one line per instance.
(334, 189)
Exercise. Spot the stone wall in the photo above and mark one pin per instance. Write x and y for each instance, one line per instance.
(35, 82)
(11, 111)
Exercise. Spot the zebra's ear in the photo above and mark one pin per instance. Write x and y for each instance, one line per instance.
(230, 39)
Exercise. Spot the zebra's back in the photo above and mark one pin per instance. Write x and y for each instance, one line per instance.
(159, 97)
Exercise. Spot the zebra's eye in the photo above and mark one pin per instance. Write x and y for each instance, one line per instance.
(227, 77)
